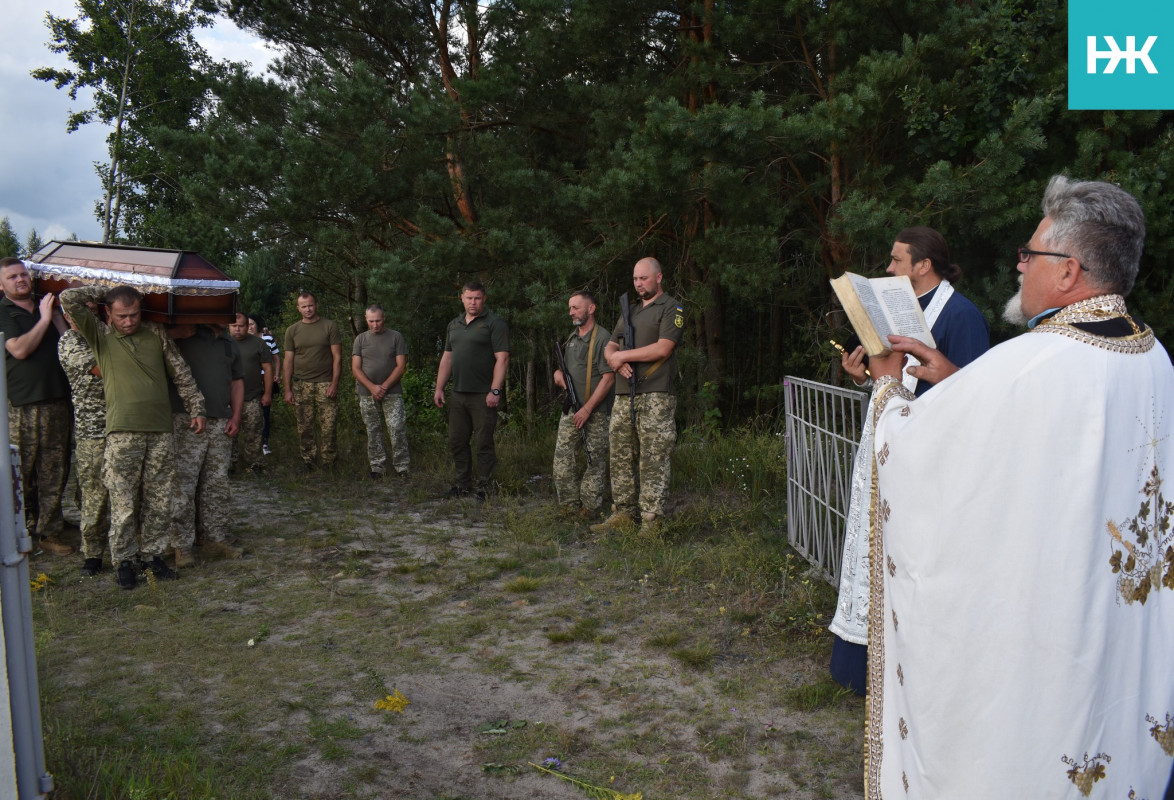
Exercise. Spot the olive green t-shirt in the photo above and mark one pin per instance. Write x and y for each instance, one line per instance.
(575, 354)
(310, 344)
(377, 354)
(473, 347)
(255, 356)
(663, 318)
(134, 367)
(215, 362)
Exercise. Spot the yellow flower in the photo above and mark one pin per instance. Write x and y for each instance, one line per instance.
(393, 702)
(40, 582)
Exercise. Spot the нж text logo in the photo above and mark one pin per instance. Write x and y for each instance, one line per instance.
(1114, 55)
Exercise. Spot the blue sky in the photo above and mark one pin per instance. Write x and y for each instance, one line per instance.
(47, 178)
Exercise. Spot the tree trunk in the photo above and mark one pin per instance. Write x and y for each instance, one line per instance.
(114, 176)
(448, 75)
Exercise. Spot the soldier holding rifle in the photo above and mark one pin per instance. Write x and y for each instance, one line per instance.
(642, 351)
(589, 381)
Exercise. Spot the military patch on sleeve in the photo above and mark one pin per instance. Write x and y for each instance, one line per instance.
(679, 319)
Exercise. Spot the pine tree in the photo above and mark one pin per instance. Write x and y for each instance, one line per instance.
(9, 244)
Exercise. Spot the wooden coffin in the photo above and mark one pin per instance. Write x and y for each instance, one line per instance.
(178, 286)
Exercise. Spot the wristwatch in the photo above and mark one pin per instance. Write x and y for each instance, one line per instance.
(495, 392)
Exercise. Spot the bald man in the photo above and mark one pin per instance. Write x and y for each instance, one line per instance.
(642, 441)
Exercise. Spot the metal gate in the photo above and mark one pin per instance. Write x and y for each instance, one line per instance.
(823, 428)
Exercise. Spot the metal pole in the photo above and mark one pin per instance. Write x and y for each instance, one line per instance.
(16, 611)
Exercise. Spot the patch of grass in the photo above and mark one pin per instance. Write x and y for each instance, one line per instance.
(584, 630)
(523, 584)
(821, 694)
(698, 656)
(665, 640)
(331, 735)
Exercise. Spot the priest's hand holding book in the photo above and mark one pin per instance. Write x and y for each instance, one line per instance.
(934, 366)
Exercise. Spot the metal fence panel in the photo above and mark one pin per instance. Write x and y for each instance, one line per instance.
(824, 424)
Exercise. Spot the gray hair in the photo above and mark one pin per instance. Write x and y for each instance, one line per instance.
(1101, 225)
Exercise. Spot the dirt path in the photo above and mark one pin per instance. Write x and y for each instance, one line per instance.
(513, 637)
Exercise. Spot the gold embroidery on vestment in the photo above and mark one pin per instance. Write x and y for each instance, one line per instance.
(1085, 774)
(1163, 734)
(903, 728)
(900, 675)
(1148, 565)
(1099, 309)
(892, 567)
(874, 698)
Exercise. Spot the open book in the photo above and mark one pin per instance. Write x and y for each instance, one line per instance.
(877, 307)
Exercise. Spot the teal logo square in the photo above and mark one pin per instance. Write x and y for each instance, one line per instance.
(1121, 55)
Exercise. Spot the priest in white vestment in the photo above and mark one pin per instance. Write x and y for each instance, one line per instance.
(1022, 557)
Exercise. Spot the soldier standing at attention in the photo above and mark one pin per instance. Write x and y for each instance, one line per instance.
(313, 367)
(379, 359)
(476, 358)
(593, 380)
(38, 401)
(643, 429)
(136, 358)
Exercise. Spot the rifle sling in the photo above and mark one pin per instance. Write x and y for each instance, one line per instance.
(590, 356)
(656, 365)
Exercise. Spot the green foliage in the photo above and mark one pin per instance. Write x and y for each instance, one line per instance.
(9, 244)
(755, 148)
(143, 69)
(32, 244)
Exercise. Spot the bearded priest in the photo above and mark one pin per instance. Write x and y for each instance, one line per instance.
(1022, 559)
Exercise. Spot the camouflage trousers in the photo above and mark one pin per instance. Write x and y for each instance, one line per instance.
(581, 488)
(375, 412)
(640, 458)
(138, 471)
(200, 497)
(307, 397)
(246, 447)
(95, 506)
(40, 431)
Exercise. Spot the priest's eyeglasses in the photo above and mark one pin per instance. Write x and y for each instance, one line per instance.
(1025, 254)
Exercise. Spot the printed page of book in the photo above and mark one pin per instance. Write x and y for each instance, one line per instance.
(872, 305)
(901, 309)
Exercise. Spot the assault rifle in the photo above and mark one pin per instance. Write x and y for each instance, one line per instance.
(572, 396)
(629, 344)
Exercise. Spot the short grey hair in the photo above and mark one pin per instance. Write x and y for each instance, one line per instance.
(1099, 224)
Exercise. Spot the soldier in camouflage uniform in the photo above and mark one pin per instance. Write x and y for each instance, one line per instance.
(594, 381)
(257, 362)
(379, 359)
(313, 368)
(201, 499)
(136, 359)
(641, 450)
(38, 401)
(89, 433)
